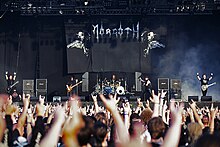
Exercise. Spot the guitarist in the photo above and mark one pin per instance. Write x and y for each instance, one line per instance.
(10, 81)
(72, 91)
(204, 82)
(146, 87)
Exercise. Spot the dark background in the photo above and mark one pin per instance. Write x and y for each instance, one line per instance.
(192, 45)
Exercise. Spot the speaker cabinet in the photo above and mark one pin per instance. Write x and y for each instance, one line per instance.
(137, 82)
(176, 84)
(28, 85)
(41, 84)
(206, 98)
(175, 94)
(85, 83)
(194, 98)
(163, 83)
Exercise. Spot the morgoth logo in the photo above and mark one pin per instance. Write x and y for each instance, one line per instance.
(100, 32)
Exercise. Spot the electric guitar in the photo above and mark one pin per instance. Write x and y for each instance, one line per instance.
(10, 87)
(205, 87)
(70, 88)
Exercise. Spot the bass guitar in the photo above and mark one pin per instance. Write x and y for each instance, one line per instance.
(205, 87)
(10, 87)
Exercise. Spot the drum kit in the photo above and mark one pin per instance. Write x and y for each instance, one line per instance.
(110, 87)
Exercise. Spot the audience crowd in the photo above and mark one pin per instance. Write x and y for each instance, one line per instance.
(115, 123)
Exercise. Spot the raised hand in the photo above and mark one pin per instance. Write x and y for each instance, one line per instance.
(73, 126)
(94, 97)
(126, 107)
(147, 104)
(26, 100)
(60, 114)
(41, 99)
(165, 106)
(213, 111)
(10, 109)
(155, 98)
(176, 112)
(110, 104)
(139, 103)
(115, 98)
(193, 104)
(163, 94)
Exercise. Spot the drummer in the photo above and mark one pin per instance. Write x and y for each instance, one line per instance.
(114, 83)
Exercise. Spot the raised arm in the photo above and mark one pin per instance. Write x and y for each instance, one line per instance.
(213, 112)
(198, 77)
(73, 125)
(15, 75)
(173, 134)
(120, 126)
(22, 118)
(193, 107)
(94, 97)
(156, 101)
(2, 121)
(211, 76)
(52, 137)
(6, 75)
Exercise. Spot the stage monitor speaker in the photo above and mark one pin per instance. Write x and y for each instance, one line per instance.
(41, 84)
(176, 84)
(57, 99)
(137, 81)
(28, 85)
(206, 98)
(194, 98)
(85, 83)
(163, 83)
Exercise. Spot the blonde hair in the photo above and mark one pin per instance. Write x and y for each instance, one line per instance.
(195, 131)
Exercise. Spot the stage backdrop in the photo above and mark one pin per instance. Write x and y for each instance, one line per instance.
(109, 44)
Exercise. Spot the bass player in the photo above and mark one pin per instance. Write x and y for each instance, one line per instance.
(204, 83)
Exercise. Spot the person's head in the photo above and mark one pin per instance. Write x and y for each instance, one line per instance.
(156, 127)
(146, 115)
(85, 133)
(81, 35)
(10, 77)
(146, 78)
(135, 118)
(113, 77)
(100, 134)
(194, 130)
(101, 116)
(71, 78)
(204, 76)
(205, 120)
(208, 140)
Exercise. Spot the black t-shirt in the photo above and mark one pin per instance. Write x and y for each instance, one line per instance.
(204, 81)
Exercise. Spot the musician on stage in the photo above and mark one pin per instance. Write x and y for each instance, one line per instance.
(204, 82)
(146, 88)
(69, 86)
(10, 81)
(114, 83)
